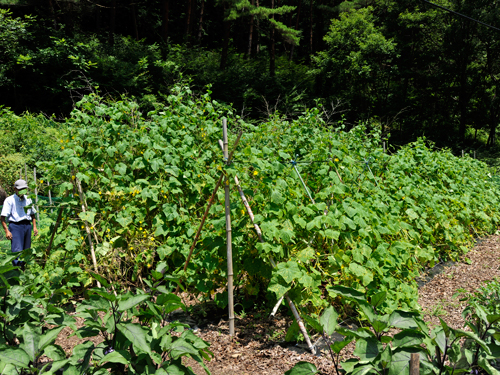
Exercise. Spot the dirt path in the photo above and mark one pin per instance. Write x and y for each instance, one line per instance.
(259, 348)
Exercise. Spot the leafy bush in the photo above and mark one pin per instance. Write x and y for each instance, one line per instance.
(138, 337)
(444, 350)
(24, 139)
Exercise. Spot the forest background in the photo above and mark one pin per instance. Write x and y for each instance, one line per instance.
(407, 67)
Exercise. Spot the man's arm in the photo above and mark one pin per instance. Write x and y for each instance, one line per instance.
(7, 231)
(35, 230)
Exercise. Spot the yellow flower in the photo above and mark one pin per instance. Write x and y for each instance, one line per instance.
(255, 173)
(82, 238)
(41, 181)
(403, 198)
(219, 167)
(152, 238)
(336, 160)
(83, 227)
(73, 177)
(62, 148)
(109, 230)
(99, 193)
(140, 228)
(243, 212)
(183, 126)
(73, 137)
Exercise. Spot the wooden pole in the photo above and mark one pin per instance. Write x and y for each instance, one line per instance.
(25, 172)
(462, 153)
(227, 204)
(415, 364)
(383, 143)
(87, 228)
(36, 195)
(299, 320)
(210, 201)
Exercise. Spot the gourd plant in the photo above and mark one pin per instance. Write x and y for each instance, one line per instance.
(442, 350)
(146, 178)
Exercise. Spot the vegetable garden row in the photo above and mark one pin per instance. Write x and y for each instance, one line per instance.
(377, 219)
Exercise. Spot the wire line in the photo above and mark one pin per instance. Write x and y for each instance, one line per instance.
(461, 15)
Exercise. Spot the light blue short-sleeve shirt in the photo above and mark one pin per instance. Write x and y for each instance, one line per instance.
(14, 209)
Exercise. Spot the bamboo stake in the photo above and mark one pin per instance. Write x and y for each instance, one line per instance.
(415, 364)
(87, 229)
(227, 204)
(58, 222)
(50, 198)
(210, 202)
(36, 195)
(277, 306)
(26, 172)
(303, 183)
(299, 320)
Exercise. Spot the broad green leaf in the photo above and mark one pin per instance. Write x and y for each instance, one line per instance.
(289, 271)
(107, 296)
(292, 332)
(408, 337)
(132, 301)
(403, 319)
(181, 347)
(377, 299)
(88, 216)
(329, 320)
(347, 292)
(485, 365)
(54, 352)
(492, 319)
(367, 349)
(49, 337)
(337, 346)
(16, 357)
(136, 335)
(303, 368)
(117, 356)
(31, 340)
(313, 323)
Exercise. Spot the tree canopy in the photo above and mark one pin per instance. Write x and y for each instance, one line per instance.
(411, 68)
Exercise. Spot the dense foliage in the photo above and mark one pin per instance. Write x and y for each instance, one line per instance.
(376, 221)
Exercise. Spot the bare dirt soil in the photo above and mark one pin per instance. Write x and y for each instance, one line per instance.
(258, 347)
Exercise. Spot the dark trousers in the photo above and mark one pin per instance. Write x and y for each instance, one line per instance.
(21, 237)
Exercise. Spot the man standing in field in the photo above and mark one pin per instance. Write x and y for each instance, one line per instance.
(20, 219)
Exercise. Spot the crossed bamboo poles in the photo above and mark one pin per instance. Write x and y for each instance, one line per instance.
(296, 314)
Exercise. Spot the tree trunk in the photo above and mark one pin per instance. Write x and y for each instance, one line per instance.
(250, 34)
(296, 28)
(134, 20)
(257, 48)
(165, 16)
(200, 28)
(272, 50)
(225, 47)
(188, 18)
(311, 27)
(112, 22)
(53, 14)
